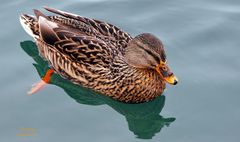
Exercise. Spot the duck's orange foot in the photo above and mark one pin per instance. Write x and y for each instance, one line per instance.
(45, 80)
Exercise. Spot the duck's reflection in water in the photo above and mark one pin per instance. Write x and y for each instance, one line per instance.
(144, 119)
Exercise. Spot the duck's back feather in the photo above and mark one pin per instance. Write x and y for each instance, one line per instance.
(105, 29)
(78, 47)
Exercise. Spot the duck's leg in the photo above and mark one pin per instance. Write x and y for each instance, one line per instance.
(44, 81)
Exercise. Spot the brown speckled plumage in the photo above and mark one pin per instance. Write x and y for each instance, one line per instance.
(92, 53)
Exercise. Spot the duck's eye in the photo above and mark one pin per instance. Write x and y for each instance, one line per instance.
(164, 68)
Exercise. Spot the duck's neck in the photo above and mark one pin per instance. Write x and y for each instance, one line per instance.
(148, 79)
(135, 82)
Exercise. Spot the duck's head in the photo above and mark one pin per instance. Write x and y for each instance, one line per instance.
(147, 51)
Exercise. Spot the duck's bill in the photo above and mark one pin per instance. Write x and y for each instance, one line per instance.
(171, 79)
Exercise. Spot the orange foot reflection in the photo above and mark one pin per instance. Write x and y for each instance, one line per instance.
(45, 80)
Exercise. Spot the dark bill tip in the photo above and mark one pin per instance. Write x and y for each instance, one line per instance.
(175, 82)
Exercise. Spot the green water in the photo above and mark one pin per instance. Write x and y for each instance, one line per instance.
(202, 44)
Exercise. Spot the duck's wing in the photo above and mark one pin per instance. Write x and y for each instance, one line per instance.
(72, 45)
(105, 30)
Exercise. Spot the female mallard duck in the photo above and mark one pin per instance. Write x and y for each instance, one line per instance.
(100, 56)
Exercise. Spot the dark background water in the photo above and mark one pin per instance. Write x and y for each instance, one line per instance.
(202, 43)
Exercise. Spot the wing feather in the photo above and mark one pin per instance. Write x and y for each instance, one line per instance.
(80, 48)
(105, 29)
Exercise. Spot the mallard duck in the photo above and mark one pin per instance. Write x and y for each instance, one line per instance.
(143, 119)
(101, 56)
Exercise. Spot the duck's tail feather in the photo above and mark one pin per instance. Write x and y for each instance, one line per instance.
(39, 14)
(30, 25)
